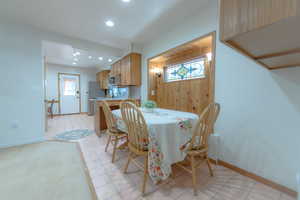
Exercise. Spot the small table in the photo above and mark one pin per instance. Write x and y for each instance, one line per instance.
(168, 131)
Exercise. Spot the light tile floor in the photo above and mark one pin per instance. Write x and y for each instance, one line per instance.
(112, 184)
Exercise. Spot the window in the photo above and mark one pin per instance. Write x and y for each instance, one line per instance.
(189, 70)
(69, 87)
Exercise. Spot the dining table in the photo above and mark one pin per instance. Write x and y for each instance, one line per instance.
(168, 132)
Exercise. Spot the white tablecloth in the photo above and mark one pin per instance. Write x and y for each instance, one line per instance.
(169, 130)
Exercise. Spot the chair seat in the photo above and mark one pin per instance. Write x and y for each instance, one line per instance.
(116, 132)
(197, 152)
(137, 151)
(185, 148)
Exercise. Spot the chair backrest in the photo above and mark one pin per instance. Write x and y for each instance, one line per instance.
(134, 101)
(136, 126)
(204, 127)
(212, 116)
(110, 121)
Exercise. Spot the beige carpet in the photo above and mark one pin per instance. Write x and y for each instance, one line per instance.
(44, 171)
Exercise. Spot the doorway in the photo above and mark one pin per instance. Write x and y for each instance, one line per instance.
(69, 93)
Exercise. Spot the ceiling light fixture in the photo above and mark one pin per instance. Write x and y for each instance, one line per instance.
(126, 1)
(109, 60)
(76, 59)
(109, 23)
(100, 58)
(90, 57)
(78, 53)
(74, 63)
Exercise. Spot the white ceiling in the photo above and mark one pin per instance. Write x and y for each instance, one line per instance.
(136, 22)
(62, 54)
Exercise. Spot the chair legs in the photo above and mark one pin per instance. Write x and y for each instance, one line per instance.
(108, 141)
(116, 140)
(209, 167)
(115, 149)
(145, 175)
(194, 175)
(127, 163)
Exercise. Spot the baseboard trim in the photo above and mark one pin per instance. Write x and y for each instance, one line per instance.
(24, 142)
(257, 178)
(57, 115)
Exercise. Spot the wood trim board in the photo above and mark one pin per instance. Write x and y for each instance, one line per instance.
(257, 178)
(82, 113)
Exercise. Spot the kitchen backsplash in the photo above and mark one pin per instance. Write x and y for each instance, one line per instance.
(125, 92)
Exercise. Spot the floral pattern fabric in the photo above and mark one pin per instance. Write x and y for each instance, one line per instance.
(158, 170)
(168, 132)
(184, 123)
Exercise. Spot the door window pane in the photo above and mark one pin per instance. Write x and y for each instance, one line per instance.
(69, 87)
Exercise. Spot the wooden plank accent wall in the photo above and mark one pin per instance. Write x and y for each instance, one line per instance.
(240, 16)
(186, 95)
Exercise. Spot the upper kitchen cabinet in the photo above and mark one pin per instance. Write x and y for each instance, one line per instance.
(116, 69)
(102, 78)
(265, 30)
(128, 70)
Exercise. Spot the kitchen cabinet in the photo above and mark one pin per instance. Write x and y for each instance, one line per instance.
(99, 117)
(265, 30)
(116, 69)
(125, 71)
(128, 70)
(103, 78)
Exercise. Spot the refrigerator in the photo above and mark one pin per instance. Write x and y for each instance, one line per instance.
(94, 93)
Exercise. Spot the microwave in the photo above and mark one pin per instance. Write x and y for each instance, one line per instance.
(115, 80)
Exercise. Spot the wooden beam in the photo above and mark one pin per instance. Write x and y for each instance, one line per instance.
(284, 66)
(234, 45)
(277, 54)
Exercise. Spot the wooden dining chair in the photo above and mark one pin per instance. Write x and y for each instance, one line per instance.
(134, 101)
(114, 135)
(197, 147)
(137, 138)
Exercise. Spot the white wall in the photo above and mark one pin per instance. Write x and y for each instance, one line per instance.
(260, 109)
(21, 86)
(86, 75)
(21, 80)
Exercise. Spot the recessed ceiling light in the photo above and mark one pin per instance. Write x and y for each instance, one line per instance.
(109, 60)
(78, 53)
(109, 23)
(127, 1)
(74, 63)
(76, 59)
(90, 57)
(100, 58)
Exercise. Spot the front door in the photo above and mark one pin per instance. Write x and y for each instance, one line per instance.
(69, 93)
